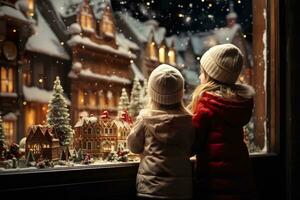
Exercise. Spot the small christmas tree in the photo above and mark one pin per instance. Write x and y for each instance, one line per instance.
(58, 114)
(136, 103)
(124, 102)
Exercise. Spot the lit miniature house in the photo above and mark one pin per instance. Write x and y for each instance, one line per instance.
(42, 143)
(87, 135)
(99, 137)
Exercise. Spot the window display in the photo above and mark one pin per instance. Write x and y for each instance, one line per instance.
(76, 79)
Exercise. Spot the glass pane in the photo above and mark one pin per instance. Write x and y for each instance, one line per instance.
(90, 69)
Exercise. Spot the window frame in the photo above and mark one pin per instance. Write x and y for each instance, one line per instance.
(273, 88)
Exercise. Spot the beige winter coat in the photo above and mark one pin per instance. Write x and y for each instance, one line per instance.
(164, 139)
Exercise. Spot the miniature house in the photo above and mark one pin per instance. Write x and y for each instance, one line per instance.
(42, 143)
(87, 135)
(100, 136)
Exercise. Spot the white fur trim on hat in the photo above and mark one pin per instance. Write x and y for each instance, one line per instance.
(166, 85)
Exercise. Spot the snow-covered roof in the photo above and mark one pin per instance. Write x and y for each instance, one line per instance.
(159, 34)
(137, 72)
(142, 30)
(45, 41)
(124, 43)
(170, 40)
(69, 8)
(10, 116)
(34, 94)
(179, 60)
(121, 124)
(181, 42)
(6, 11)
(86, 119)
(99, 7)
(226, 34)
(200, 43)
(66, 8)
(90, 74)
(77, 39)
(191, 77)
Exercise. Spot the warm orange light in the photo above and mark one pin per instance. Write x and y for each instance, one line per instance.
(162, 54)
(9, 131)
(171, 56)
(80, 98)
(92, 99)
(7, 80)
(152, 51)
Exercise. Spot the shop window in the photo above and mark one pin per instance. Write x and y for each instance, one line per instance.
(9, 130)
(171, 57)
(162, 54)
(30, 117)
(81, 98)
(89, 145)
(259, 45)
(110, 98)
(7, 80)
(92, 99)
(152, 51)
(27, 78)
(102, 101)
(107, 25)
(31, 7)
(86, 19)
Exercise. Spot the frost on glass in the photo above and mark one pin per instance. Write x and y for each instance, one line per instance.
(73, 82)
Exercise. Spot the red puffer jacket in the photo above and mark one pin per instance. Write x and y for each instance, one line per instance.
(223, 165)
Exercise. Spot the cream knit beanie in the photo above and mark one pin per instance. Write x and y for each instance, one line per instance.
(223, 63)
(166, 85)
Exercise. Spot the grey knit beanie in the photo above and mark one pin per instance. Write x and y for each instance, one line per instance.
(223, 63)
(166, 85)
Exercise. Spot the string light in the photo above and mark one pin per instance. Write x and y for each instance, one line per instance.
(180, 15)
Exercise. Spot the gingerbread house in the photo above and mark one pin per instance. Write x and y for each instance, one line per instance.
(100, 136)
(42, 143)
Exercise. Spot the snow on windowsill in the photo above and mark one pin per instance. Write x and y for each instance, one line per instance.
(13, 13)
(10, 117)
(34, 94)
(125, 43)
(77, 39)
(90, 74)
(2, 94)
(89, 30)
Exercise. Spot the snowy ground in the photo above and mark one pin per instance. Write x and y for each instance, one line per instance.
(72, 166)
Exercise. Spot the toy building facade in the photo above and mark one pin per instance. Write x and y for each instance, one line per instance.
(42, 144)
(100, 136)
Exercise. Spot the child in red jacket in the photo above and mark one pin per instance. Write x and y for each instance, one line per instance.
(220, 109)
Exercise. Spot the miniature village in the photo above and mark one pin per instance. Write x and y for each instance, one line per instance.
(93, 140)
(74, 77)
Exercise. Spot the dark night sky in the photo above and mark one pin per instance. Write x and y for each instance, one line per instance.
(188, 15)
